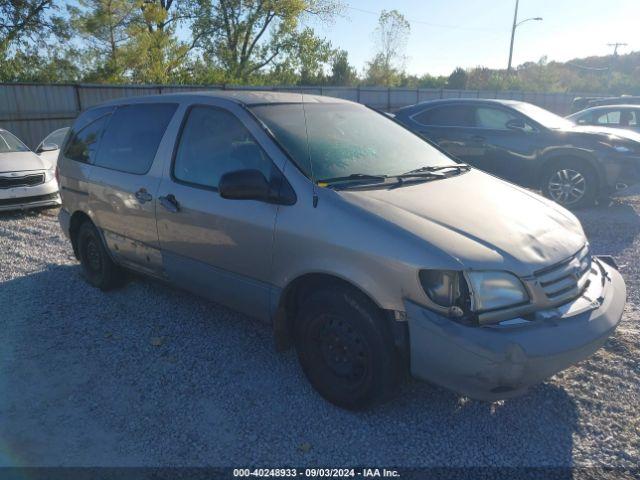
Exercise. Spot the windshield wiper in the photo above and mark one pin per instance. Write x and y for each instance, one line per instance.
(436, 168)
(353, 177)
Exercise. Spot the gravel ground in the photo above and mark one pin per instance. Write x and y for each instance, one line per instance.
(148, 375)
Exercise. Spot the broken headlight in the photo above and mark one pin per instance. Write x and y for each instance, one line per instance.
(458, 294)
(447, 289)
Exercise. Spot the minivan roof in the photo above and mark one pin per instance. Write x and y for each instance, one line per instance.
(244, 97)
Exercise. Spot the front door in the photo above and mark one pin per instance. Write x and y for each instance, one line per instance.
(217, 247)
(510, 144)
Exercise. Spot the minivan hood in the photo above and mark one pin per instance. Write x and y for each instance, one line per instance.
(21, 162)
(479, 220)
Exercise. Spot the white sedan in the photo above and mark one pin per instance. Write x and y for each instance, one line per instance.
(26, 180)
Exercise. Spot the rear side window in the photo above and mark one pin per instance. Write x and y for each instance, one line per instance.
(214, 142)
(447, 116)
(84, 143)
(133, 134)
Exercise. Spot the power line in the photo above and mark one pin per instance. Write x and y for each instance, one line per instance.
(422, 22)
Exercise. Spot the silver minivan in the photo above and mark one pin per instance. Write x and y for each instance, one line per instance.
(369, 250)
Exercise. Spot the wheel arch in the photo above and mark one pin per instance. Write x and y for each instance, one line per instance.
(288, 301)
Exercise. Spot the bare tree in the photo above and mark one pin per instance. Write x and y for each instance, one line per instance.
(391, 36)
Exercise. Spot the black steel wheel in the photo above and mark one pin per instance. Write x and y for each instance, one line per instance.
(97, 267)
(345, 348)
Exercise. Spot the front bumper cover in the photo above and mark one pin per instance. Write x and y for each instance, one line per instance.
(502, 361)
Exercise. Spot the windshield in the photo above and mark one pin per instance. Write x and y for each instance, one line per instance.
(543, 117)
(346, 139)
(10, 143)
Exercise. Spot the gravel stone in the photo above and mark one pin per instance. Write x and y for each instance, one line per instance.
(150, 375)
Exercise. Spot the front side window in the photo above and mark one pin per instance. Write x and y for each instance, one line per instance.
(446, 116)
(329, 140)
(133, 134)
(84, 143)
(611, 117)
(10, 143)
(496, 118)
(214, 142)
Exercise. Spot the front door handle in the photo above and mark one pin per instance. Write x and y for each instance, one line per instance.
(170, 203)
(478, 139)
(143, 196)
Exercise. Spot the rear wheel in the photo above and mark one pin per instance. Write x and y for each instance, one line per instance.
(345, 348)
(571, 183)
(98, 268)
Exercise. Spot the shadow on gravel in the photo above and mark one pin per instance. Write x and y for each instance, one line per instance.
(148, 375)
(33, 212)
(610, 227)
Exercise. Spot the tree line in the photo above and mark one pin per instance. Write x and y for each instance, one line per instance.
(247, 42)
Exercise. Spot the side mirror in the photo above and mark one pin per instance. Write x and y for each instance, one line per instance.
(516, 124)
(49, 147)
(244, 185)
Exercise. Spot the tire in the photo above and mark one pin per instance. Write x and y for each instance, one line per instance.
(345, 348)
(97, 267)
(572, 183)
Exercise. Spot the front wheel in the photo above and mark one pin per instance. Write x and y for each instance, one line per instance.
(345, 348)
(571, 183)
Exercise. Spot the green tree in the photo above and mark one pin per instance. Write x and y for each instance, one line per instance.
(342, 72)
(245, 36)
(105, 28)
(24, 20)
(457, 79)
(391, 37)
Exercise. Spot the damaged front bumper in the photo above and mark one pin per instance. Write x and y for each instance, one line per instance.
(498, 361)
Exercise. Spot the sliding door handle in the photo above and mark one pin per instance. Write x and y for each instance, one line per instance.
(143, 196)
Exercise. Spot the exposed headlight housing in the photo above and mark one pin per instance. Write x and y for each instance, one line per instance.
(464, 294)
(447, 290)
(492, 290)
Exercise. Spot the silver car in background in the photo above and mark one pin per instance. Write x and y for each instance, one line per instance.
(26, 180)
(369, 250)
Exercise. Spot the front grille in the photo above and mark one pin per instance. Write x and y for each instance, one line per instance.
(24, 181)
(27, 200)
(567, 279)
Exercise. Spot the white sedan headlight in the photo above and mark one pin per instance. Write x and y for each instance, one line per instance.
(495, 289)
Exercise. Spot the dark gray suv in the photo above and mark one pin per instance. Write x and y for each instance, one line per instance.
(525, 144)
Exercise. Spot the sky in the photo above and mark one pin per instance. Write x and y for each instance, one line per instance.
(446, 34)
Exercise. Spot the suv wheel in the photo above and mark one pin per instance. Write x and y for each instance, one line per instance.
(571, 183)
(345, 348)
(97, 266)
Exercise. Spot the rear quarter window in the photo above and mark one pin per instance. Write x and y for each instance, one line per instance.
(83, 142)
(132, 136)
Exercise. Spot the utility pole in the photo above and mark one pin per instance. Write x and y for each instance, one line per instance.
(612, 58)
(615, 47)
(516, 24)
(513, 34)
